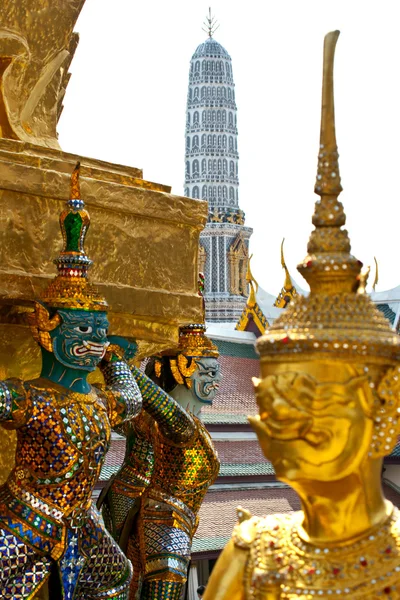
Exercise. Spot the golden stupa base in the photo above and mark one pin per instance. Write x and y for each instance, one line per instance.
(143, 241)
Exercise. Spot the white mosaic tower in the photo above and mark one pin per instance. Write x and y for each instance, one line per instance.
(212, 174)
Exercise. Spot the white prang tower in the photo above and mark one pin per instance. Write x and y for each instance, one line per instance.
(211, 173)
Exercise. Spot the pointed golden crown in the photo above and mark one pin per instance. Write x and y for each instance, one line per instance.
(70, 288)
(337, 317)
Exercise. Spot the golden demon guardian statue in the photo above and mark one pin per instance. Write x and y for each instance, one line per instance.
(329, 413)
(47, 523)
(151, 504)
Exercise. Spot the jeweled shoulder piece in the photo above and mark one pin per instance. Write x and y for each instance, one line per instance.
(70, 289)
(337, 317)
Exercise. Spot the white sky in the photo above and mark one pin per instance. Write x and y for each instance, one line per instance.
(127, 96)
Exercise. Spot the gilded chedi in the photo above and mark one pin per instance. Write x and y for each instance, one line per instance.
(328, 402)
(37, 44)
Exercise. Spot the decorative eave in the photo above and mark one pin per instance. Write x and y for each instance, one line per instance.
(252, 312)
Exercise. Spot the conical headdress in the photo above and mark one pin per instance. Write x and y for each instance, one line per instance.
(337, 318)
(70, 288)
(193, 343)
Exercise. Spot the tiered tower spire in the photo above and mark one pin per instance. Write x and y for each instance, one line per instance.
(211, 160)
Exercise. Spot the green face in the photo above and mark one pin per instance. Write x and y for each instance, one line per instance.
(80, 342)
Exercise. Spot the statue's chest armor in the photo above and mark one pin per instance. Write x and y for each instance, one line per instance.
(63, 433)
(367, 569)
(186, 471)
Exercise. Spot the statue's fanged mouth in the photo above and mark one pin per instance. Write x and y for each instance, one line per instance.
(90, 348)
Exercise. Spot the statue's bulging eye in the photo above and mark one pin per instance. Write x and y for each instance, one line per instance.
(208, 373)
(83, 329)
(103, 332)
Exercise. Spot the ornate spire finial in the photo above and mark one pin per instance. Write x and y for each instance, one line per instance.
(251, 300)
(329, 266)
(210, 24)
(75, 185)
(333, 320)
(74, 224)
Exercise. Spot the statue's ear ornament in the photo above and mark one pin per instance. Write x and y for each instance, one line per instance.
(40, 324)
(158, 367)
(387, 415)
(186, 365)
(175, 371)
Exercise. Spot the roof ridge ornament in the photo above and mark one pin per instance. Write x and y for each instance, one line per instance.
(253, 285)
(210, 24)
(288, 292)
(288, 280)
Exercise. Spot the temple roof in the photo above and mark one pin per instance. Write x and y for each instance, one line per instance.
(218, 511)
(210, 48)
(387, 311)
(235, 399)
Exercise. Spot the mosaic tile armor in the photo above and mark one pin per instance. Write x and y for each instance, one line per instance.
(45, 505)
(170, 462)
(182, 475)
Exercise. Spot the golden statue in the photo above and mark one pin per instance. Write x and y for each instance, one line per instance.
(328, 414)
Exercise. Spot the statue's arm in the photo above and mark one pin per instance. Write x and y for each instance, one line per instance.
(13, 403)
(174, 422)
(122, 391)
(227, 577)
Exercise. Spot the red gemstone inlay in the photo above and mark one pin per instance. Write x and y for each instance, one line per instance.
(387, 590)
(309, 263)
(285, 340)
(272, 544)
(388, 550)
(311, 571)
(363, 563)
(336, 571)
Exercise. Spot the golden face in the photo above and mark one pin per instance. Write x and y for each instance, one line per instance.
(316, 418)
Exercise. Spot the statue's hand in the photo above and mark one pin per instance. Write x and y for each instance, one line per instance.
(125, 349)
